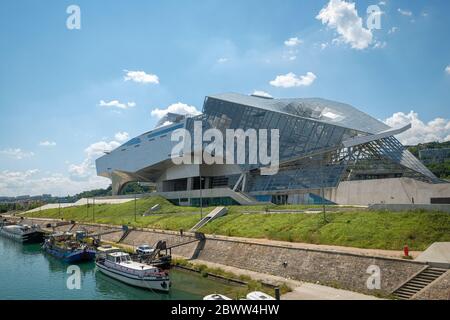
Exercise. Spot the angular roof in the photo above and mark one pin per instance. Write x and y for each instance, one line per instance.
(327, 111)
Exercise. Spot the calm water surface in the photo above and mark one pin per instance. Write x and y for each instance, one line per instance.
(26, 272)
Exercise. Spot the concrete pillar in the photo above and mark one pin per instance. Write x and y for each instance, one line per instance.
(118, 182)
(190, 183)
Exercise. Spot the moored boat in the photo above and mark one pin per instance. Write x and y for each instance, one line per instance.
(118, 265)
(258, 295)
(216, 296)
(64, 247)
(22, 233)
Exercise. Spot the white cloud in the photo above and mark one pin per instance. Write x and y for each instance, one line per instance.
(99, 148)
(404, 12)
(292, 80)
(86, 169)
(382, 3)
(222, 60)
(261, 94)
(81, 171)
(116, 104)
(343, 17)
(179, 108)
(293, 42)
(16, 153)
(121, 136)
(166, 123)
(13, 183)
(141, 77)
(80, 176)
(420, 132)
(47, 143)
(447, 69)
(290, 54)
(380, 44)
(393, 30)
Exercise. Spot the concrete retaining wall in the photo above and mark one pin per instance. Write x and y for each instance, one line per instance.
(343, 270)
(439, 289)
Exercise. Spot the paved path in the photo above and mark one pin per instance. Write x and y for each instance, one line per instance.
(310, 291)
(300, 290)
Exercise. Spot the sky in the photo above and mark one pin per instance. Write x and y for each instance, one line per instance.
(67, 94)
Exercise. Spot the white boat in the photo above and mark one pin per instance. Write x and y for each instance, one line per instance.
(216, 296)
(118, 265)
(22, 233)
(258, 295)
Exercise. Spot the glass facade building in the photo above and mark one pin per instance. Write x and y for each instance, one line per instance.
(321, 143)
(312, 132)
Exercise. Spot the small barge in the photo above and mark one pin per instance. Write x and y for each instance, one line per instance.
(64, 247)
(216, 296)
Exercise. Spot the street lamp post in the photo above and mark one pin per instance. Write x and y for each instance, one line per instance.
(323, 190)
(201, 197)
(135, 216)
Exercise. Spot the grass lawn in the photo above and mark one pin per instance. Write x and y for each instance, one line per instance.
(355, 228)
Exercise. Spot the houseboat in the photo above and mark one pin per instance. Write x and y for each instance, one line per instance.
(22, 233)
(118, 265)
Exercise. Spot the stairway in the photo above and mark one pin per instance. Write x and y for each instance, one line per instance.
(418, 282)
(248, 198)
(125, 234)
(216, 213)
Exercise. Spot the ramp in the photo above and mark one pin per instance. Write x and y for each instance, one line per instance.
(437, 255)
(216, 213)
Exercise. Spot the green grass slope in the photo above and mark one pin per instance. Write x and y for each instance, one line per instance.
(363, 229)
(168, 217)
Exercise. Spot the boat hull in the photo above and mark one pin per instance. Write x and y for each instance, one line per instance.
(72, 257)
(162, 285)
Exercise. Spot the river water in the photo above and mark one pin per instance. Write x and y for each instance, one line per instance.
(26, 272)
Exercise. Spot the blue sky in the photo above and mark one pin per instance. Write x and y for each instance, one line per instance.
(53, 80)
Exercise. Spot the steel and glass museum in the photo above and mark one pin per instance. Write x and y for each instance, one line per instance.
(328, 152)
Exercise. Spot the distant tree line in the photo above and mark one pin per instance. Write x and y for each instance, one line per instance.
(429, 145)
(441, 170)
(29, 204)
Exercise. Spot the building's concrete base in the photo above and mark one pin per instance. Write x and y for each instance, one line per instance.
(389, 191)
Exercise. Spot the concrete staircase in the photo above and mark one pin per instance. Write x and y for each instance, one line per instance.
(124, 235)
(418, 282)
(246, 199)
